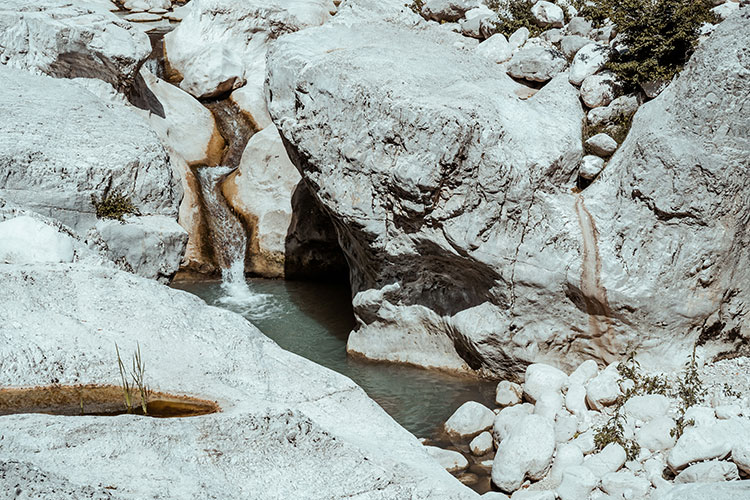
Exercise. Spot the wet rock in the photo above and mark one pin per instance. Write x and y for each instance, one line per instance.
(599, 90)
(187, 126)
(71, 39)
(588, 60)
(55, 166)
(496, 48)
(508, 393)
(470, 419)
(482, 444)
(450, 460)
(261, 191)
(221, 44)
(548, 14)
(601, 144)
(527, 452)
(26, 240)
(538, 64)
(150, 246)
(591, 166)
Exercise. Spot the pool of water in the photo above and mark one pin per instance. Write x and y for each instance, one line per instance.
(314, 321)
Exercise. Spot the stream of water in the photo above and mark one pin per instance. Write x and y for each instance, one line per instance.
(314, 321)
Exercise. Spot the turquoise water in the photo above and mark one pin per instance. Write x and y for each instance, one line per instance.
(314, 320)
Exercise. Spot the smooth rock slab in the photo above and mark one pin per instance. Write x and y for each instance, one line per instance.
(287, 428)
(54, 166)
(26, 240)
(527, 452)
(541, 378)
(708, 472)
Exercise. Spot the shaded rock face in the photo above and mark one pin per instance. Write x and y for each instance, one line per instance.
(59, 145)
(70, 39)
(454, 200)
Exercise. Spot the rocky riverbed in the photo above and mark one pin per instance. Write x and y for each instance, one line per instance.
(500, 202)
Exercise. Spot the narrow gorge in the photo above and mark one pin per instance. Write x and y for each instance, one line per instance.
(374, 249)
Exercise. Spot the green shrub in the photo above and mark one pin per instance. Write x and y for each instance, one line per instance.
(113, 206)
(513, 15)
(660, 35)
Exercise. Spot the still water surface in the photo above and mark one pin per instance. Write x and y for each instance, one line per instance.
(314, 320)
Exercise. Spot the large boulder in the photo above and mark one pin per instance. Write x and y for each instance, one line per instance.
(456, 206)
(221, 44)
(71, 39)
(60, 146)
(287, 427)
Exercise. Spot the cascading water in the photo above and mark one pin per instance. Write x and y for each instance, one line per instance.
(230, 244)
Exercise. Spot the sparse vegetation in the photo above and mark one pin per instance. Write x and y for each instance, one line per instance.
(416, 6)
(513, 15)
(730, 392)
(138, 376)
(113, 206)
(690, 392)
(659, 35)
(617, 128)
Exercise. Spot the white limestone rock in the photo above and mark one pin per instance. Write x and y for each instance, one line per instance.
(647, 407)
(588, 60)
(71, 39)
(578, 26)
(624, 105)
(450, 460)
(252, 101)
(523, 494)
(584, 372)
(527, 452)
(519, 37)
(150, 246)
(60, 145)
(699, 443)
(549, 404)
(585, 441)
(566, 427)
(567, 455)
(295, 425)
(571, 44)
(599, 90)
(604, 389)
(261, 191)
(701, 416)
(496, 48)
(591, 166)
(541, 378)
(548, 14)
(733, 490)
(447, 10)
(625, 484)
(536, 63)
(508, 393)
(470, 419)
(726, 412)
(143, 17)
(187, 126)
(601, 144)
(656, 434)
(575, 400)
(220, 44)
(741, 455)
(577, 482)
(26, 240)
(471, 24)
(610, 459)
(507, 419)
(712, 471)
(482, 444)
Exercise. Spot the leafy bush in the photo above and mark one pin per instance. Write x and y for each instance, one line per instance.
(113, 206)
(660, 35)
(513, 15)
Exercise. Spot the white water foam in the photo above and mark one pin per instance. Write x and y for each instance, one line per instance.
(230, 244)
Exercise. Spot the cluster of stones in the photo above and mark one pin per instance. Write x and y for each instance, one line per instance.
(543, 432)
(152, 11)
(575, 47)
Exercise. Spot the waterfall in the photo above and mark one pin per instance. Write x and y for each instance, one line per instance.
(229, 241)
